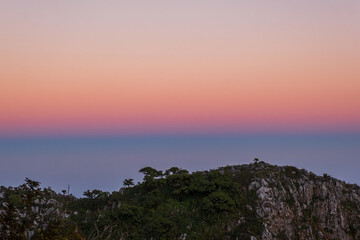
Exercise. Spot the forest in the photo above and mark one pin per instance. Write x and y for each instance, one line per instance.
(247, 202)
(171, 204)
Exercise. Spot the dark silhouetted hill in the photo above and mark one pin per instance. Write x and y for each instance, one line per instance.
(253, 201)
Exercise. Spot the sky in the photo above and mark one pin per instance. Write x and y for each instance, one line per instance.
(91, 91)
(150, 67)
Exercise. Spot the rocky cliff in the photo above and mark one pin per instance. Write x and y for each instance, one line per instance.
(296, 204)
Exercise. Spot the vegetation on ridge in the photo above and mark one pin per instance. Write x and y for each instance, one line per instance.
(172, 204)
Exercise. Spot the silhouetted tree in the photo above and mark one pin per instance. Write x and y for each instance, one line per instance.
(128, 182)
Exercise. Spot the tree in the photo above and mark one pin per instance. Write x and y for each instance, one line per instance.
(10, 229)
(218, 202)
(150, 173)
(128, 182)
(256, 160)
(30, 191)
(95, 194)
(175, 170)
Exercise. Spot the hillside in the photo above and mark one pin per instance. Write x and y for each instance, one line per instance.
(253, 201)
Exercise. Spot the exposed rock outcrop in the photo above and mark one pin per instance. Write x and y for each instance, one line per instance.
(296, 204)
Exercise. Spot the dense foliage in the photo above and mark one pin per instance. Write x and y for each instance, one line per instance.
(173, 204)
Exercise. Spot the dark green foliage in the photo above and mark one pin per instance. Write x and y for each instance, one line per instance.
(150, 173)
(282, 236)
(200, 205)
(353, 230)
(28, 210)
(350, 205)
(171, 204)
(175, 204)
(128, 182)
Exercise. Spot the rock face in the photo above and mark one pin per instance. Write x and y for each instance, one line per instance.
(296, 204)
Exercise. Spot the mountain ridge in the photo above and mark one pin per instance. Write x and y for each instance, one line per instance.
(249, 201)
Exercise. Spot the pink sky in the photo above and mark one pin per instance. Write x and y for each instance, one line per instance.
(92, 67)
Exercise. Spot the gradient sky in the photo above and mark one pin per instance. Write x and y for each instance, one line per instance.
(140, 67)
(194, 84)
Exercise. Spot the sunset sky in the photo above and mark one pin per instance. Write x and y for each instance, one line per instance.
(162, 67)
(92, 91)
